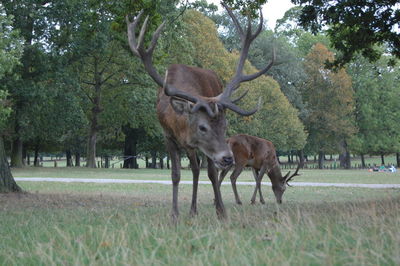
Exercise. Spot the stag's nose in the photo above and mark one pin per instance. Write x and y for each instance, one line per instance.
(228, 160)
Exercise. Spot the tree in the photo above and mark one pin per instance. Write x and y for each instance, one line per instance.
(355, 26)
(10, 52)
(377, 106)
(329, 99)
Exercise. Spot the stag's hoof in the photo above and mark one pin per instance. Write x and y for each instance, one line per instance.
(239, 202)
(253, 202)
(262, 201)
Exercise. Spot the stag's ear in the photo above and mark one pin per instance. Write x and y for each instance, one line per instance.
(181, 106)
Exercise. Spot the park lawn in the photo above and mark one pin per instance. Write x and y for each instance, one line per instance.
(129, 224)
(314, 175)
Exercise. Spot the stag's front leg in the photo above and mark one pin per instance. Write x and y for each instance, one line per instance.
(213, 176)
(175, 175)
(194, 165)
(223, 174)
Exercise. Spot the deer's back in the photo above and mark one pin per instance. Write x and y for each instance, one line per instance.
(253, 151)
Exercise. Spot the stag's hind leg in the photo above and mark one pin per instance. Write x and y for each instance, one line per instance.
(194, 165)
(175, 175)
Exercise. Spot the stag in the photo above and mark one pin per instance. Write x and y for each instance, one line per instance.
(260, 155)
(191, 107)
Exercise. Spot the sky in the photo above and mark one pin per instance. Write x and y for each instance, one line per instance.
(272, 10)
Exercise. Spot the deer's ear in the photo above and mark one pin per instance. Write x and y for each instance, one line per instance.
(181, 106)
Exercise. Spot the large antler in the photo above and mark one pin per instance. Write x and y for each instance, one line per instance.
(246, 38)
(137, 47)
(287, 178)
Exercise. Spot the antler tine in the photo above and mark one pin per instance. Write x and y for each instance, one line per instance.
(141, 34)
(246, 40)
(293, 175)
(240, 97)
(234, 19)
(131, 32)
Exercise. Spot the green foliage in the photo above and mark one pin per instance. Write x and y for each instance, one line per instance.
(288, 70)
(4, 109)
(377, 106)
(246, 7)
(330, 103)
(355, 28)
(10, 53)
(10, 44)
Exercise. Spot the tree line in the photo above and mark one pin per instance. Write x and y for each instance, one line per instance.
(69, 82)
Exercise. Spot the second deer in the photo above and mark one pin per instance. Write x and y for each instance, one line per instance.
(260, 155)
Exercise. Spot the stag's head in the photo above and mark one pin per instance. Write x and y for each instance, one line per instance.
(206, 130)
(206, 116)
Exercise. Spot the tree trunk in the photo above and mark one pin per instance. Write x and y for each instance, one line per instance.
(16, 153)
(153, 159)
(7, 182)
(161, 159)
(344, 157)
(168, 167)
(91, 153)
(130, 147)
(96, 110)
(106, 161)
(301, 158)
(362, 161)
(24, 151)
(36, 159)
(146, 159)
(77, 159)
(69, 157)
(321, 158)
(398, 159)
(383, 159)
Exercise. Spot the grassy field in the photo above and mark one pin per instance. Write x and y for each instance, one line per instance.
(129, 224)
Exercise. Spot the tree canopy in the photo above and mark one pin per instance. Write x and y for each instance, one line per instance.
(355, 26)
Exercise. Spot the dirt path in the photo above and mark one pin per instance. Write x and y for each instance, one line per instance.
(168, 182)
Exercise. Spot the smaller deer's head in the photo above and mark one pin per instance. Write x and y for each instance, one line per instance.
(280, 183)
(207, 128)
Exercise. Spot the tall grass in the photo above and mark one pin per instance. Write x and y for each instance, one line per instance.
(130, 225)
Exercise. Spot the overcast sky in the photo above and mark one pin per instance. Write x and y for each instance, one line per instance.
(272, 10)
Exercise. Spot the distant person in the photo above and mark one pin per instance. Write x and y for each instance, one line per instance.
(382, 168)
(392, 169)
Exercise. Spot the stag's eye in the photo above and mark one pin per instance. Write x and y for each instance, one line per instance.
(203, 129)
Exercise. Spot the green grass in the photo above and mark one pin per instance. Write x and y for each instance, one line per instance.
(336, 176)
(111, 224)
